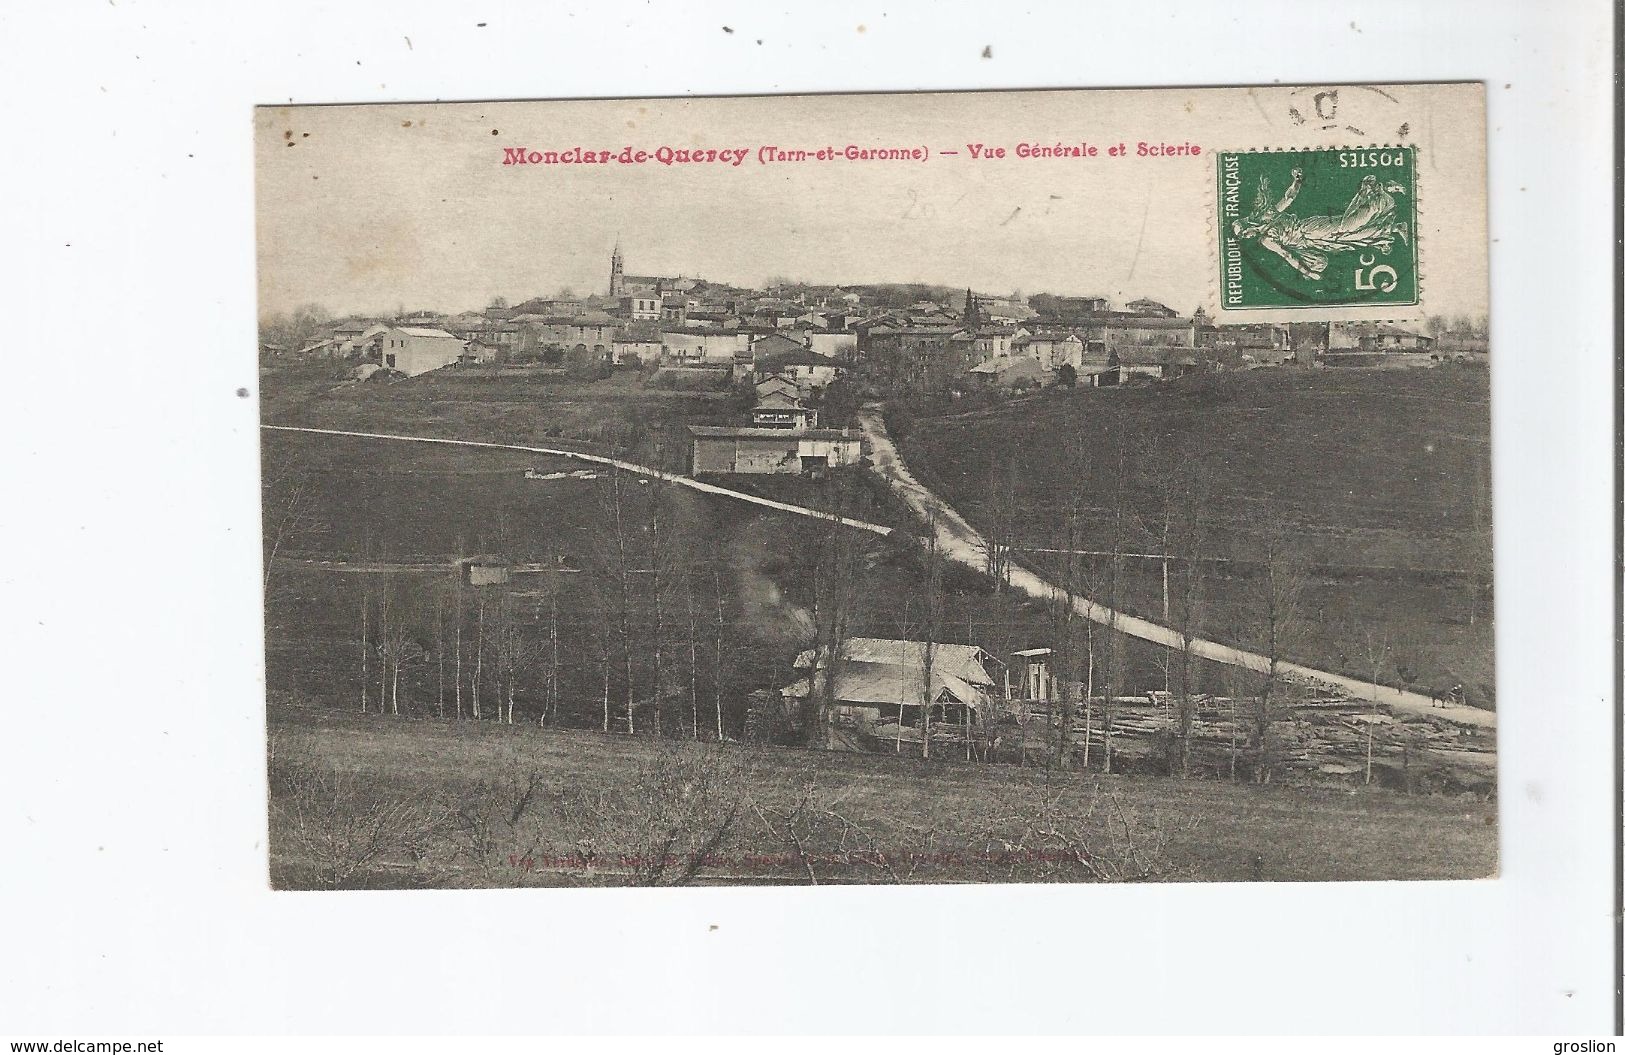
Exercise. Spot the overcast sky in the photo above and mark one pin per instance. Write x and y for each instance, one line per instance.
(374, 208)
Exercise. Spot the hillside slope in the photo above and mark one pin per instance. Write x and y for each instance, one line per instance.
(1377, 479)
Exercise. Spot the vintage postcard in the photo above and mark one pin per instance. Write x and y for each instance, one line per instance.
(1080, 486)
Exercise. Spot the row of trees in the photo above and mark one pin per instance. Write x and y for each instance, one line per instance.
(1096, 538)
(491, 652)
(642, 627)
(292, 330)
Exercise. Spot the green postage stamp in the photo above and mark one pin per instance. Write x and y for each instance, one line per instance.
(1317, 228)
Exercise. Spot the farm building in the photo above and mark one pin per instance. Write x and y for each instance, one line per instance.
(1034, 680)
(881, 678)
(630, 350)
(778, 409)
(778, 356)
(1158, 362)
(782, 385)
(1052, 348)
(717, 449)
(1375, 337)
(1010, 371)
(1375, 344)
(351, 337)
(416, 350)
(485, 571)
(1246, 344)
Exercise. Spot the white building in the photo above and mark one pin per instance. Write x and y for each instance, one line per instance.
(417, 350)
(629, 350)
(771, 450)
(689, 345)
(884, 679)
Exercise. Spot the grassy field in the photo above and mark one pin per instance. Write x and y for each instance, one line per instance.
(534, 408)
(1378, 479)
(479, 804)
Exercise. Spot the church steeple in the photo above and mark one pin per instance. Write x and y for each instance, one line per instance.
(617, 280)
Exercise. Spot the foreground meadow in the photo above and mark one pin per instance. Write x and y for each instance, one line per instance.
(371, 802)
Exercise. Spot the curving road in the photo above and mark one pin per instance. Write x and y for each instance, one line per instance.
(599, 459)
(961, 543)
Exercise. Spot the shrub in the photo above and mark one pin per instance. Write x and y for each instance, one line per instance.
(343, 825)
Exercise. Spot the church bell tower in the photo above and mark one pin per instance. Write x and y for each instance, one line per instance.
(617, 280)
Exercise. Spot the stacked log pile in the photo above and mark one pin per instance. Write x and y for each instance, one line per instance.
(1317, 738)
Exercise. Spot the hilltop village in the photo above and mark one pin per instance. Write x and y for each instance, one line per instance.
(792, 340)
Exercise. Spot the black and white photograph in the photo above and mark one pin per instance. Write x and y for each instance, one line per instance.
(838, 489)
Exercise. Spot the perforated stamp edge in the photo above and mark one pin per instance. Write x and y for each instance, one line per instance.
(1399, 314)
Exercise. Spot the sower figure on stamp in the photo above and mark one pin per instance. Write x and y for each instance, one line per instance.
(1368, 222)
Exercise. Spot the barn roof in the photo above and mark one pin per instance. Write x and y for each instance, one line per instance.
(966, 662)
(889, 683)
(778, 400)
(427, 331)
(776, 343)
(799, 356)
(746, 432)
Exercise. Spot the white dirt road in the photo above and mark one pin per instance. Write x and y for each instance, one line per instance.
(961, 543)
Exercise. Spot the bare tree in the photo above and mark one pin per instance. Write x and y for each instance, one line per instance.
(905, 631)
(1278, 624)
(1002, 504)
(457, 621)
(388, 634)
(500, 818)
(606, 655)
(834, 596)
(366, 645)
(664, 826)
(1377, 654)
(510, 651)
(930, 627)
(657, 558)
(479, 650)
(1065, 615)
(720, 629)
(289, 508)
(395, 646)
(550, 708)
(693, 654)
(439, 601)
(1112, 657)
(342, 824)
(618, 557)
(1184, 534)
